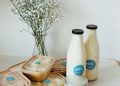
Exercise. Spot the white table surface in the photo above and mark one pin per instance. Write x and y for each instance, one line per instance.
(109, 74)
(109, 70)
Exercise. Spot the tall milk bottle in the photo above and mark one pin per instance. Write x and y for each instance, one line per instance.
(92, 53)
(76, 57)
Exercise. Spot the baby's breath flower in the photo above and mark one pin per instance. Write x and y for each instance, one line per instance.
(39, 15)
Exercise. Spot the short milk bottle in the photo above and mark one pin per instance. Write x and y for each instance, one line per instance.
(76, 57)
(92, 53)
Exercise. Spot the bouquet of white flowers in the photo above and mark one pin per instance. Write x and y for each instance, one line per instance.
(39, 16)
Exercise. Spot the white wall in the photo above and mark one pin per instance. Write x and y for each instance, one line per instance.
(77, 14)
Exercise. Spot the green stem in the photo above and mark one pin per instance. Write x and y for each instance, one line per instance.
(40, 44)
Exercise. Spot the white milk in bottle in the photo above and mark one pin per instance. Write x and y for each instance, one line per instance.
(92, 53)
(76, 57)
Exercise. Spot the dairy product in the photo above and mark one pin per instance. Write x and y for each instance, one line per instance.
(38, 67)
(92, 53)
(76, 56)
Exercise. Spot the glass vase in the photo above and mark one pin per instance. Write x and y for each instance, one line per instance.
(39, 47)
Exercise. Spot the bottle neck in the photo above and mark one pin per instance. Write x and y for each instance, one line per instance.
(92, 33)
(77, 37)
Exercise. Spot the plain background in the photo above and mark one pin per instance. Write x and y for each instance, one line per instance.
(77, 14)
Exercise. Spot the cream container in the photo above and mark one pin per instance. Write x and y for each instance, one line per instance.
(53, 79)
(76, 57)
(13, 78)
(38, 67)
(92, 53)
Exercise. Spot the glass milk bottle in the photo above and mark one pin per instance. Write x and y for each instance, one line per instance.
(92, 53)
(76, 57)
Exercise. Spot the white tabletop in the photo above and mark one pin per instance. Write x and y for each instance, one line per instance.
(109, 74)
(109, 70)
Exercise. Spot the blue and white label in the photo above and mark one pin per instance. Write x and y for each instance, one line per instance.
(10, 78)
(37, 62)
(78, 70)
(90, 65)
(47, 81)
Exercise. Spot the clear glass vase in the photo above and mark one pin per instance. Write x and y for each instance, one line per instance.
(39, 47)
